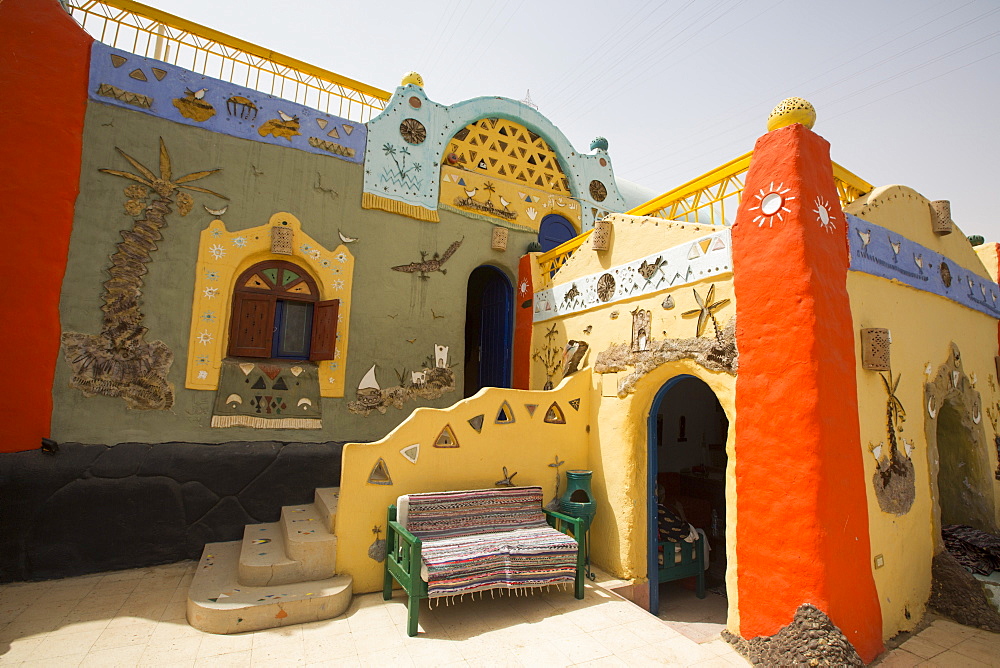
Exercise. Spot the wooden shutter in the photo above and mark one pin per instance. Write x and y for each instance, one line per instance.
(252, 325)
(324, 330)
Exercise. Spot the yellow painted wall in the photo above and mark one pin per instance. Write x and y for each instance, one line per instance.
(526, 446)
(922, 327)
(618, 437)
(222, 257)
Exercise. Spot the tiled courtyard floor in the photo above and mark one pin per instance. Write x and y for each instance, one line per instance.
(136, 618)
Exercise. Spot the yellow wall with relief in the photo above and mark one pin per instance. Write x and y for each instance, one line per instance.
(472, 459)
(222, 257)
(622, 400)
(503, 202)
(923, 326)
(499, 170)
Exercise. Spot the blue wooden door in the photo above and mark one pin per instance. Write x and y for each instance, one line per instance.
(495, 313)
(553, 231)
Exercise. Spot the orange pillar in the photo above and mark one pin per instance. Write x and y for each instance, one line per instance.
(523, 319)
(802, 529)
(44, 70)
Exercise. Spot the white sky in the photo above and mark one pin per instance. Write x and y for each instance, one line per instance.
(906, 91)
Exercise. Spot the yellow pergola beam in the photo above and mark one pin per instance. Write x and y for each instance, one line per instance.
(234, 42)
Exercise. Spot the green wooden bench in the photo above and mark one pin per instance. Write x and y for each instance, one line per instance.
(451, 521)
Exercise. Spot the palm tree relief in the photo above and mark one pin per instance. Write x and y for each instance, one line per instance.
(893, 478)
(119, 362)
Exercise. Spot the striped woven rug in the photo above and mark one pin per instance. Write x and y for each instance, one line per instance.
(483, 539)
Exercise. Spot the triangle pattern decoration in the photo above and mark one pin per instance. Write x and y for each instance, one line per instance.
(575, 403)
(158, 73)
(380, 474)
(477, 423)
(494, 152)
(531, 409)
(446, 439)
(117, 61)
(321, 122)
(719, 244)
(555, 415)
(694, 252)
(505, 415)
(411, 452)
(705, 243)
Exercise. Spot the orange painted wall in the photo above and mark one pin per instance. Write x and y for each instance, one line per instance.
(802, 530)
(44, 69)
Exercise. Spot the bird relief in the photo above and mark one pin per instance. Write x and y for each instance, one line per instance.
(285, 126)
(487, 207)
(194, 105)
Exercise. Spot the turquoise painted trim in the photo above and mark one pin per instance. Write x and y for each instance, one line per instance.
(410, 173)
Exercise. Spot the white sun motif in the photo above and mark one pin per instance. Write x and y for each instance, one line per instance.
(210, 292)
(315, 254)
(240, 241)
(217, 251)
(205, 338)
(338, 284)
(524, 287)
(202, 375)
(341, 257)
(771, 204)
(822, 211)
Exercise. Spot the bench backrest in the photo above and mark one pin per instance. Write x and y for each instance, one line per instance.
(435, 515)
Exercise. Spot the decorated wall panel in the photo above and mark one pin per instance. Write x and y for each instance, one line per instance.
(153, 87)
(879, 251)
(223, 256)
(411, 140)
(680, 265)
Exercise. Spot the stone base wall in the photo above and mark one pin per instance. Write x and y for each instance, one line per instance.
(91, 508)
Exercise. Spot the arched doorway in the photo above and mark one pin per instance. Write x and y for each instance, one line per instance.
(686, 444)
(963, 477)
(553, 231)
(489, 310)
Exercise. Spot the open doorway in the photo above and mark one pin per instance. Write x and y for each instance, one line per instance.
(687, 432)
(489, 311)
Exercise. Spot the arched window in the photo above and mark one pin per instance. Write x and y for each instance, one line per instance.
(277, 314)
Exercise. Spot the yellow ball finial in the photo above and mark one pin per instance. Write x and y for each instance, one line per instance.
(792, 110)
(412, 78)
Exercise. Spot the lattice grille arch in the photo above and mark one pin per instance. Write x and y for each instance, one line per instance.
(509, 151)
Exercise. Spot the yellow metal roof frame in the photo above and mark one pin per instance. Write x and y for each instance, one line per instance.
(237, 43)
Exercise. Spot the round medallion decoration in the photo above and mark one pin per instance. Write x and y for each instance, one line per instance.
(606, 287)
(598, 191)
(413, 131)
(415, 102)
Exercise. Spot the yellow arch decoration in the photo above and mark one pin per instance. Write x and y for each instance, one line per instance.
(499, 170)
(222, 257)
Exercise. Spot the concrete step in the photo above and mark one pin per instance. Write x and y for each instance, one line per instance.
(326, 499)
(308, 541)
(262, 559)
(219, 603)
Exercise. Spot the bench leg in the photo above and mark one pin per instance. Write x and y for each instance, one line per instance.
(701, 583)
(412, 610)
(386, 585)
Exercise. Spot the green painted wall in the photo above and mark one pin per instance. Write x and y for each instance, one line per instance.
(388, 307)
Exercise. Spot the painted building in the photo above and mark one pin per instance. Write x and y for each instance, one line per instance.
(240, 298)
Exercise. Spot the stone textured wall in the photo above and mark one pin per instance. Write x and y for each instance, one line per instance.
(93, 508)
